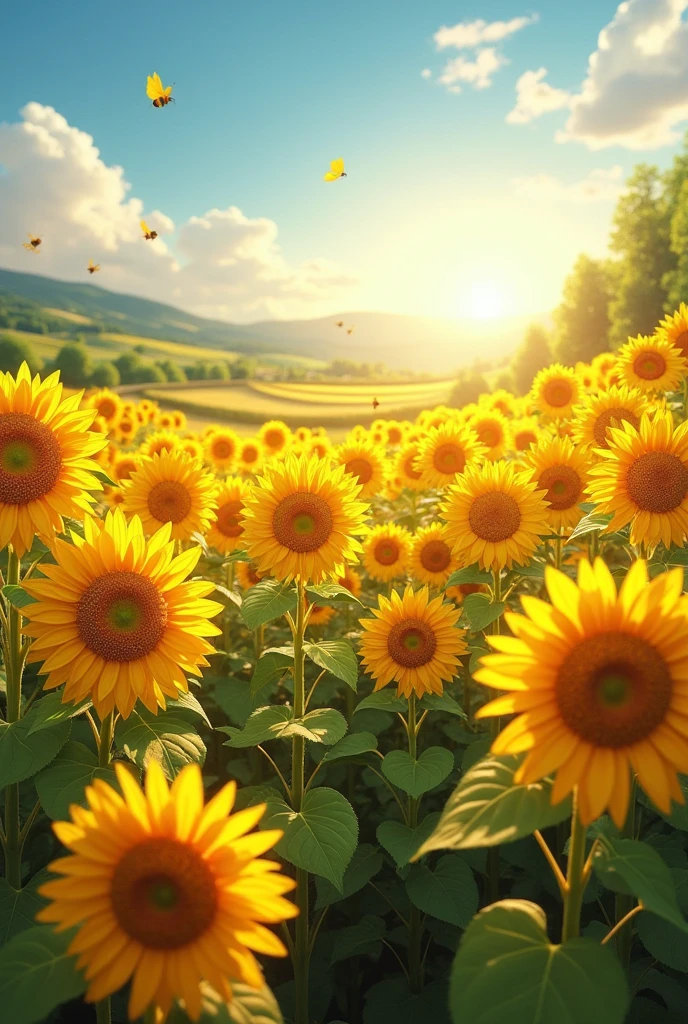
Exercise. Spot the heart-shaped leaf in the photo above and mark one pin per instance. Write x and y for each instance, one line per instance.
(363, 866)
(383, 700)
(18, 907)
(64, 780)
(625, 865)
(481, 611)
(167, 738)
(270, 665)
(37, 974)
(50, 710)
(331, 592)
(442, 702)
(338, 657)
(470, 574)
(416, 777)
(401, 841)
(355, 745)
(448, 892)
(22, 753)
(359, 939)
(266, 601)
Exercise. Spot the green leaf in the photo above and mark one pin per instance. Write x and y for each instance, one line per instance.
(268, 723)
(17, 596)
(536, 570)
(363, 866)
(18, 907)
(99, 474)
(331, 592)
(487, 808)
(358, 940)
(416, 777)
(352, 746)
(664, 941)
(50, 710)
(481, 611)
(191, 704)
(323, 725)
(507, 969)
(624, 865)
(248, 1006)
(441, 702)
(338, 657)
(233, 696)
(591, 523)
(270, 665)
(401, 841)
(37, 974)
(21, 754)
(231, 595)
(383, 700)
(471, 574)
(321, 837)
(65, 779)
(391, 1002)
(167, 738)
(266, 601)
(448, 892)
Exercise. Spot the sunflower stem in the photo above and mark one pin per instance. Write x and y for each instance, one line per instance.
(13, 672)
(301, 929)
(415, 963)
(105, 740)
(104, 1016)
(575, 876)
(623, 903)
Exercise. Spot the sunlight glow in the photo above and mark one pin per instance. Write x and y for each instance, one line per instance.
(486, 301)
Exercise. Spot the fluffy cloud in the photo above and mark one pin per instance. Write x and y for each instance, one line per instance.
(487, 60)
(535, 96)
(600, 185)
(636, 90)
(469, 34)
(478, 72)
(223, 264)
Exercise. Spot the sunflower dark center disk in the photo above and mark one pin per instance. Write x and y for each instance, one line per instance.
(649, 365)
(449, 458)
(169, 501)
(657, 482)
(494, 516)
(563, 486)
(360, 468)
(302, 522)
(612, 418)
(435, 556)
(387, 551)
(411, 643)
(228, 516)
(30, 458)
(121, 616)
(557, 393)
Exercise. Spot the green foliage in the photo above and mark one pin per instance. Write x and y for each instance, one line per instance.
(416, 776)
(627, 865)
(248, 1006)
(64, 780)
(104, 375)
(468, 388)
(533, 355)
(169, 739)
(447, 892)
(14, 352)
(74, 364)
(582, 319)
(173, 371)
(23, 752)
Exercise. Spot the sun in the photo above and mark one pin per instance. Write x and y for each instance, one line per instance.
(485, 300)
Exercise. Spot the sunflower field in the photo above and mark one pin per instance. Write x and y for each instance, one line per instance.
(384, 732)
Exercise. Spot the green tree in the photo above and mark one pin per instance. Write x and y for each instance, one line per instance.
(582, 319)
(104, 375)
(128, 364)
(241, 369)
(640, 242)
(15, 351)
(148, 373)
(74, 364)
(218, 371)
(676, 280)
(533, 355)
(173, 371)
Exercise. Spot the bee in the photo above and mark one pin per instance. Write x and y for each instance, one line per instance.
(157, 92)
(340, 323)
(375, 404)
(336, 170)
(92, 267)
(350, 330)
(147, 233)
(33, 245)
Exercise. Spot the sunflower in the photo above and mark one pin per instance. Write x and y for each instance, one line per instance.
(593, 417)
(599, 682)
(586, 375)
(249, 456)
(275, 436)
(148, 409)
(221, 447)
(560, 470)
(320, 614)
(651, 364)
(165, 891)
(392, 486)
(351, 580)
(395, 432)
(602, 365)
(171, 488)
(501, 400)
(642, 479)
(178, 419)
(432, 560)
(122, 466)
(412, 641)
(492, 430)
(386, 551)
(225, 532)
(446, 451)
(246, 575)
(114, 496)
(495, 516)
(166, 420)
(302, 518)
(405, 466)
(114, 621)
(126, 428)
(675, 329)
(524, 433)
(462, 590)
(107, 404)
(46, 464)
(555, 391)
(192, 447)
(158, 442)
(319, 445)
(366, 463)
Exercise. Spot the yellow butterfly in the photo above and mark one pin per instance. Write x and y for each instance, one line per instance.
(33, 245)
(93, 267)
(336, 170)
(147, 233)
(350, 330)
(155, 91)
(340, 323)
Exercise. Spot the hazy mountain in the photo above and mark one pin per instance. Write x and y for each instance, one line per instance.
(414, 342)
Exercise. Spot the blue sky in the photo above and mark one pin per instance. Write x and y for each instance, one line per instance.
(267, 93)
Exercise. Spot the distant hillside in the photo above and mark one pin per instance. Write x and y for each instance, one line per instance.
(430, 344)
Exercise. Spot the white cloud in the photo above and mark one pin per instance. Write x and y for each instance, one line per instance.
(600, 185)
(469, 34)
(636, 90)
(223, 264)
(535, 96)
(478, 73)
(426, 73)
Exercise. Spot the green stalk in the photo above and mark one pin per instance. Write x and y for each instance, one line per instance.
(301, 929)
(104, 1016)
(575, 876)
(105, 741)
(13, 672)
(415, 962)
(623, 903)
(495, 724)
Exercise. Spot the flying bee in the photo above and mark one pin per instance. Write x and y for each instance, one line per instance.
(340, 323)
(336, 170)
(147, 233)
(93, 267)
(155, 91)
(375, 404)
(33, 245)
(350, 330)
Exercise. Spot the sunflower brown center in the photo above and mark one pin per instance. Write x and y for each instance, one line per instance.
(394, 435)
(409, 469)
(682, 343)
(563, 486)
(30, 458)
(249, 453)
(435, 556)
(169, 501)
(523, 439)
(649, 365)
(228, 519)
(613, 689)
(557, 393)
(489, 435)
(302, 522)
(121, 616)
(360, 468)
(411, 643)
(163, 894)
(222, 449)
(657, 481)
(449, 458)
(494, 516)
(386, 551)
(124, 468)
(612, 418)
(470, 588)
(126, 426)
(107, 408)
(274, 438)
